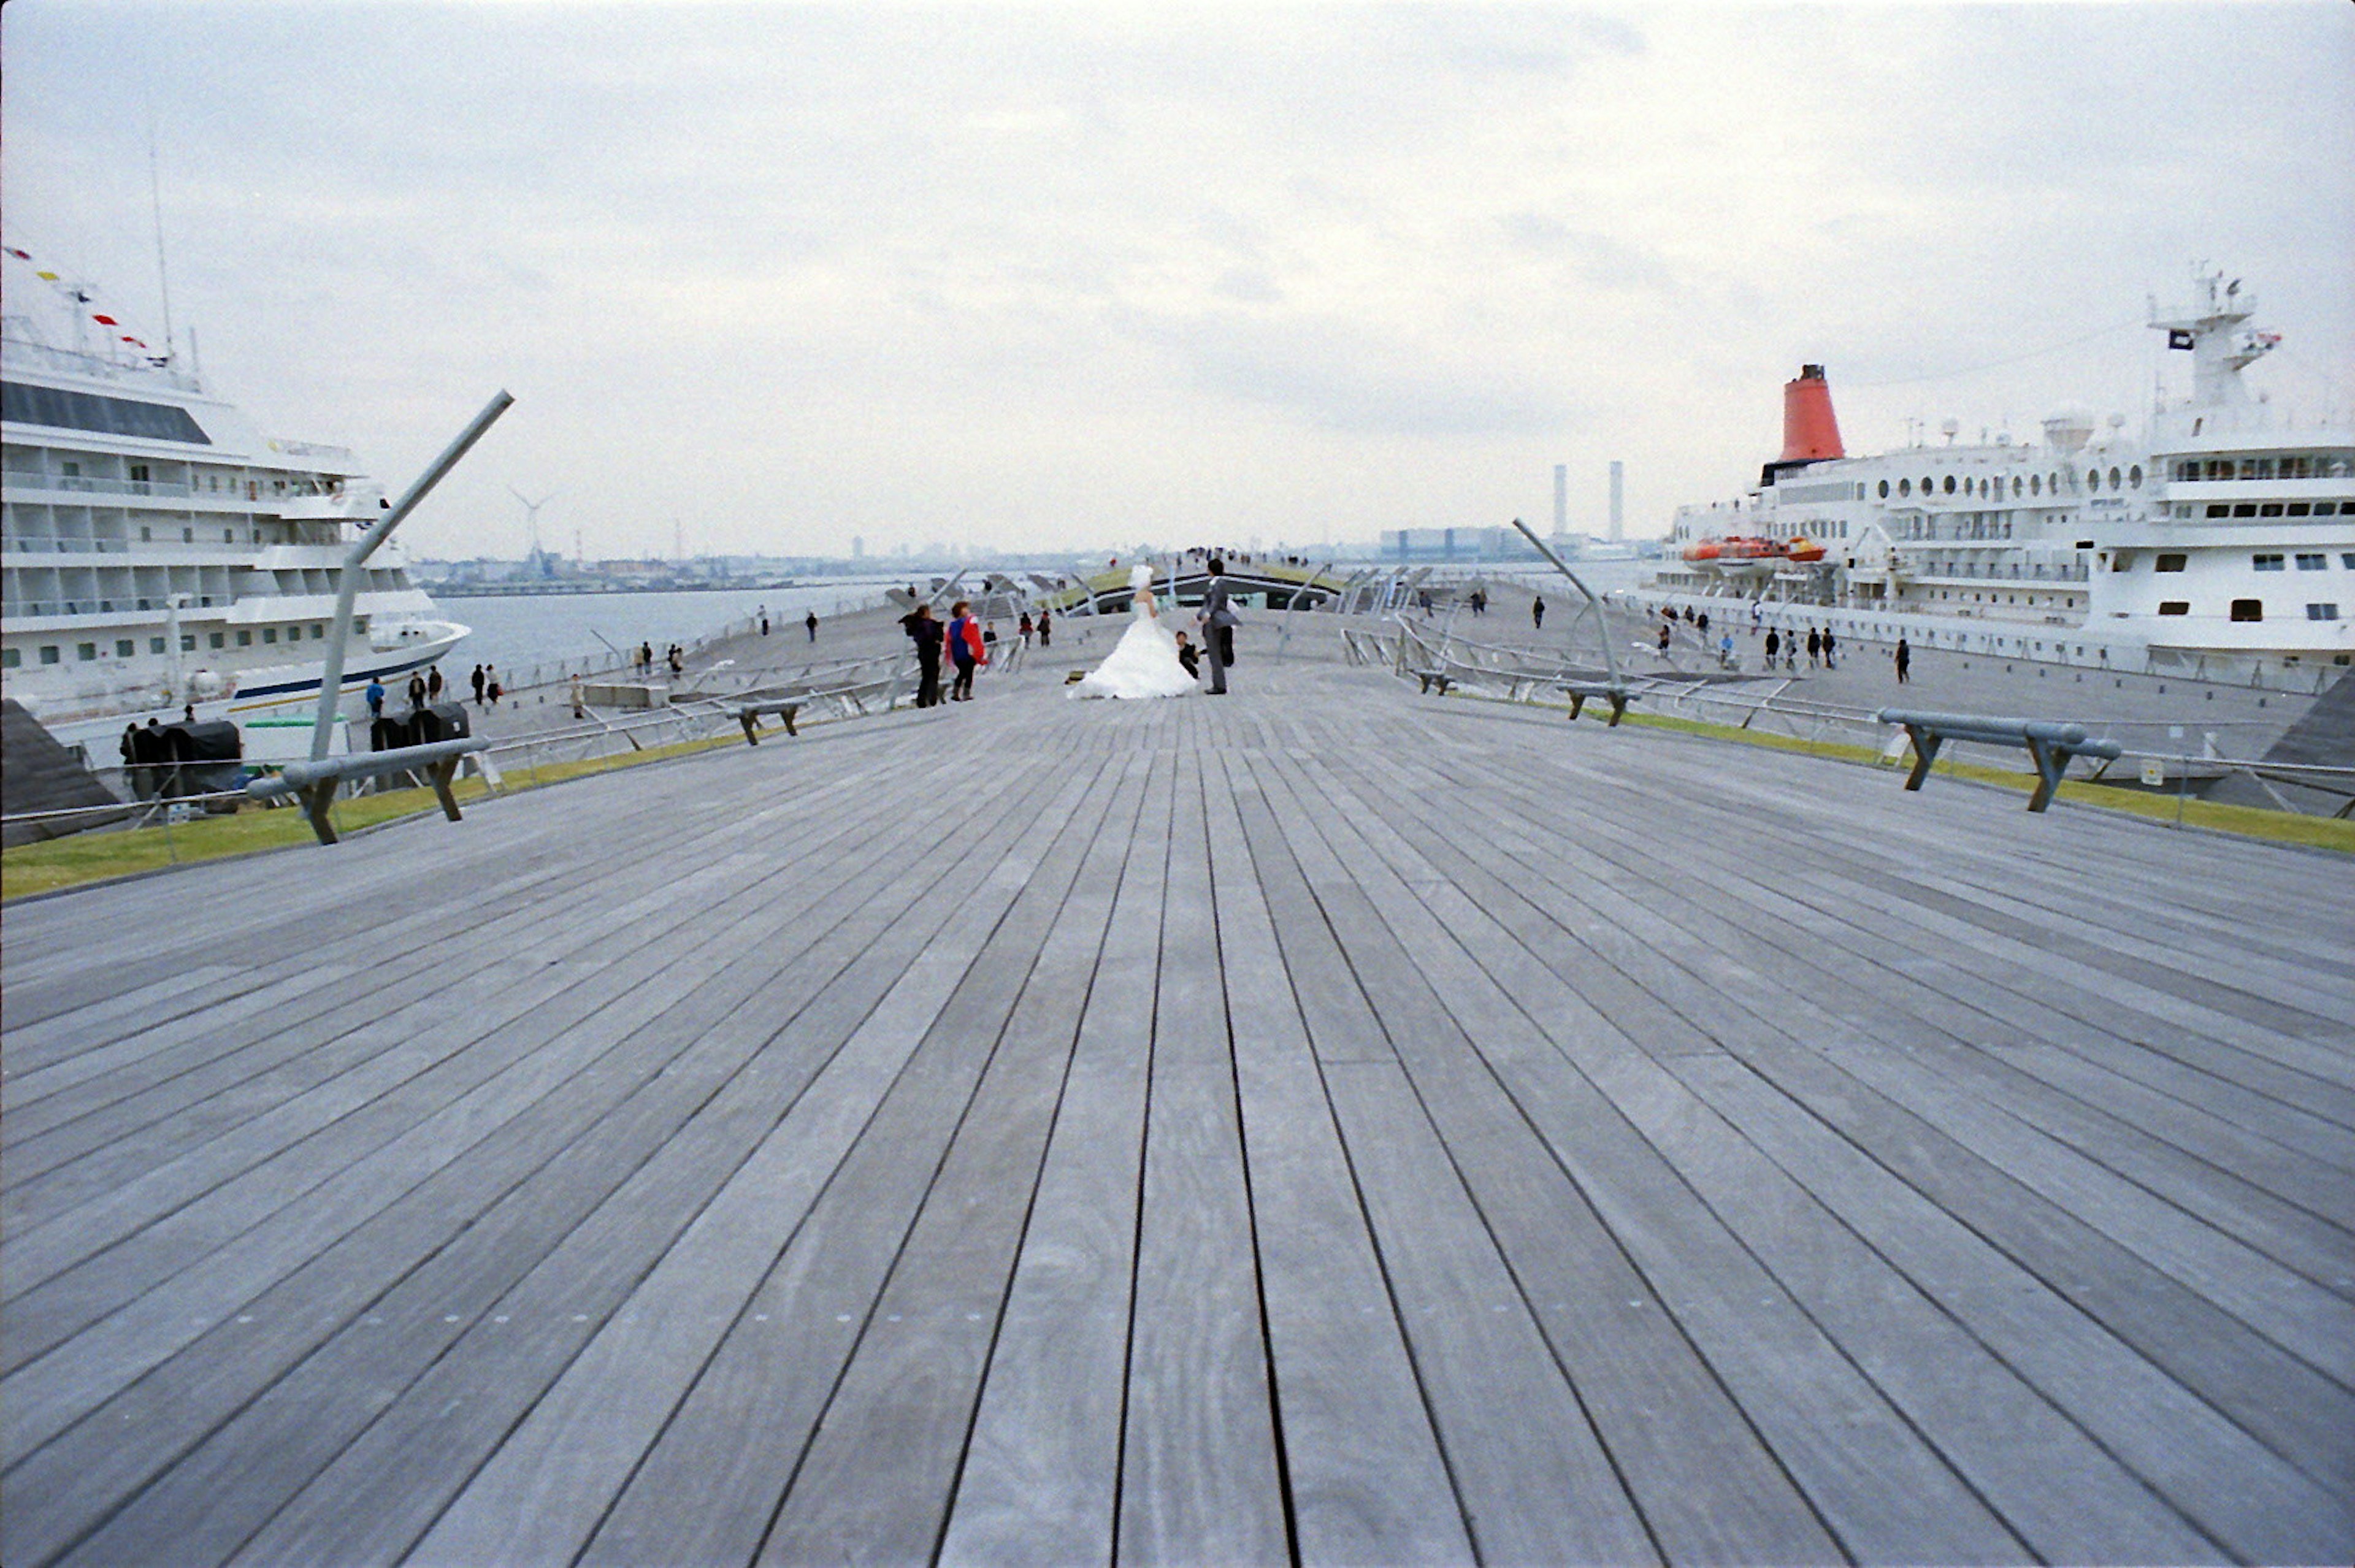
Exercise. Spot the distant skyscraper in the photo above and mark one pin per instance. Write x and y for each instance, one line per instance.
(859, 547)
(1562, 499)
(1618, 498)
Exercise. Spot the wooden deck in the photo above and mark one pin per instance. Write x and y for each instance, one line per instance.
(1321, 1124)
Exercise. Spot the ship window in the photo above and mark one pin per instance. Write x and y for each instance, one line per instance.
(2133, 477)
(188, 536)
(216, 640)
(2113, 478)
(2299, 508)
(2171, 562)
(293, 634)
(2347, 561)
(189, 643)
(2036, 483)
(2218, 509)
(139, 473)
(2248, 609)
(2269, 510)
(50, 653)
(11, 657)
(1884, 490)
(85, 650)
(245, 639)
(2244, 508)
(61, 410)
(2175, 607)
(2016, 485)
(228, 538)
(1950, 483)
(2313, 562)
(144, 535)
(2322, 612)
(2323, 508)
(154, 645)
(269, 634)
(2266, 563)
(1904, 487)
(1927, 485)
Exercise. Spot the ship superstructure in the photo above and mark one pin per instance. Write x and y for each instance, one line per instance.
(2228, 532)
(157, 550)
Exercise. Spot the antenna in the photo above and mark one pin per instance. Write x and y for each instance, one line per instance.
(155, 198)
(531, 512)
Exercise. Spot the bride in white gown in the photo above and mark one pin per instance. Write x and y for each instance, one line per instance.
(1144, 663)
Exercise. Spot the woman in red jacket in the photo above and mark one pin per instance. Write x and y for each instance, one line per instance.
(965, 649)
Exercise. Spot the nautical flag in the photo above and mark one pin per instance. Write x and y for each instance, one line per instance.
(46, 277)
(105, 320)
(20, 255)
(2177, 339)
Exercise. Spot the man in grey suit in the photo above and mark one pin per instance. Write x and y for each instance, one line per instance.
(1219, 622)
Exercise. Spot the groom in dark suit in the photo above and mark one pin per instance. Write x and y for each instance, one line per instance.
(1219, 622)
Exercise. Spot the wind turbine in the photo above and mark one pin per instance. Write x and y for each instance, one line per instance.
(531, 514)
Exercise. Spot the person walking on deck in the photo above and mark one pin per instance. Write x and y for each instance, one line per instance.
(1904, 661)
(479, 685)
(416, 692)
(1774, 646)
(812, 624)
(1815, 646)
(1828, 646)
(374, 697)
(966, 651)
(1026, 627)
(1537, 615)
(1046, 628)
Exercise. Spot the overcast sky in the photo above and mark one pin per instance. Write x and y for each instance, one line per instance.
(1041, 278)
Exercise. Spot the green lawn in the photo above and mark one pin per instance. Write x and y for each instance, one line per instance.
(104, 855)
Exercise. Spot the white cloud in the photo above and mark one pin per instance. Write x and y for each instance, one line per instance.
(795, 272)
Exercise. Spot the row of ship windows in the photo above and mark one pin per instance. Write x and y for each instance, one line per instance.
(2249, 609)
(2294, 466)
(2274, 509)
(2265, 561)
(139, 479)
(2032, 485)
(128, 647)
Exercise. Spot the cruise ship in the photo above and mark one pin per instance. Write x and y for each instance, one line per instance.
(2224, 541)
(157, 551)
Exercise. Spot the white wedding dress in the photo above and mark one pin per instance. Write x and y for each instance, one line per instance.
(1144, 663)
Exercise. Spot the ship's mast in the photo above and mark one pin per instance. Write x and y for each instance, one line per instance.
(2210, 329)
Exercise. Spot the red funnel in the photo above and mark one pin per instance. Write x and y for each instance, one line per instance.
(1810, 432)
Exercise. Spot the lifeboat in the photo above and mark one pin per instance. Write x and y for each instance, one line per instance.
(1745, 556)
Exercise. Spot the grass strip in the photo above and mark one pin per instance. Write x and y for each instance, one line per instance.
(103, 855)
(2245, 821)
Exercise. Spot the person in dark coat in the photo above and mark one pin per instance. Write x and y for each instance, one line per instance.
(1815, 646)
(1218, 623)
(1046, 628)
(1537, 615)
(1774, 647)
(812, 624)
(1829, 643)
(1904, 661)
(927, 633)
(479, 685)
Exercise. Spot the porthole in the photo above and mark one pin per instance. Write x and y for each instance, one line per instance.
(2093, 478)
(1904, 487)
(2113, 478)
(1950, 483)
(1884, 490)
(2133, 477)
(2036, 483)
